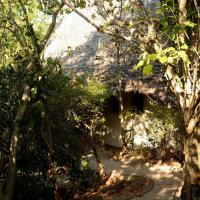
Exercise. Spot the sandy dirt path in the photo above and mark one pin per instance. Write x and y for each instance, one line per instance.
(167, 178)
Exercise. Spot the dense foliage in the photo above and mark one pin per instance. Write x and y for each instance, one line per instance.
(45, 116)
(47, 138)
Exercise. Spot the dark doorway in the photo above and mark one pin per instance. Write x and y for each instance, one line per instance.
(138, 102)
(113, 105)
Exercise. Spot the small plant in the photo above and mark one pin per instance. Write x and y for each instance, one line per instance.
(157, 128)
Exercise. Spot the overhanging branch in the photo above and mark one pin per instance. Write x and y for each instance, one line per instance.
(51, 27)
(99, 28)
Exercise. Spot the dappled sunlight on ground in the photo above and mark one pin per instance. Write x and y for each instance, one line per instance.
(167, 178)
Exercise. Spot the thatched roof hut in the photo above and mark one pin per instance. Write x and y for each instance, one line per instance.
(82, 49)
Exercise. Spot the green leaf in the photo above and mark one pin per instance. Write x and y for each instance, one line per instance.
(177, 29)
(159, 12)
(147, 70)
(165, 24)
(140, 64)
(131, 24)
(163, 59)
(34, 91)
(184, 47)
(189, 24)
(169, 49)
(153, 57)
(183, 55)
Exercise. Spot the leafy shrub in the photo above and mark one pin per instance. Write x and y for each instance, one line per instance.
(47, 139)
(157, 128)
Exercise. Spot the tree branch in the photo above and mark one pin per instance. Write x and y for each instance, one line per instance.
(182, 11)
(197, 8)
(30, 28)
(175, 81)
(99, 28)
(15, 32)
(22, 44)
(51, 27)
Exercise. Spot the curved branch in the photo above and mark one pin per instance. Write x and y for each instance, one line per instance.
(51, 27)
(99, 28)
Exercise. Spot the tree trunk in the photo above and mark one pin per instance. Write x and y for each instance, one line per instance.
(120, 85)
(12, 164)
(122, 123)
(100, 166)
(8, 194)
(14, 145)
(191, 189)
(190, 104)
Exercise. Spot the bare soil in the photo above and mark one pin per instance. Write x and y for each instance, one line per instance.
(137, 177)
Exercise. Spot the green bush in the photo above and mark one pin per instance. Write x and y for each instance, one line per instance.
(45, 128)
(158, 125)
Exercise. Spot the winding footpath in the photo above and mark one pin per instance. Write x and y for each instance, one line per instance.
(167, 178)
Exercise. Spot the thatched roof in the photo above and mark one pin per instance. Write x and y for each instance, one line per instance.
(82, 49)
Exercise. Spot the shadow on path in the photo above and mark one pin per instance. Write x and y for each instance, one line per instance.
(167, 178)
